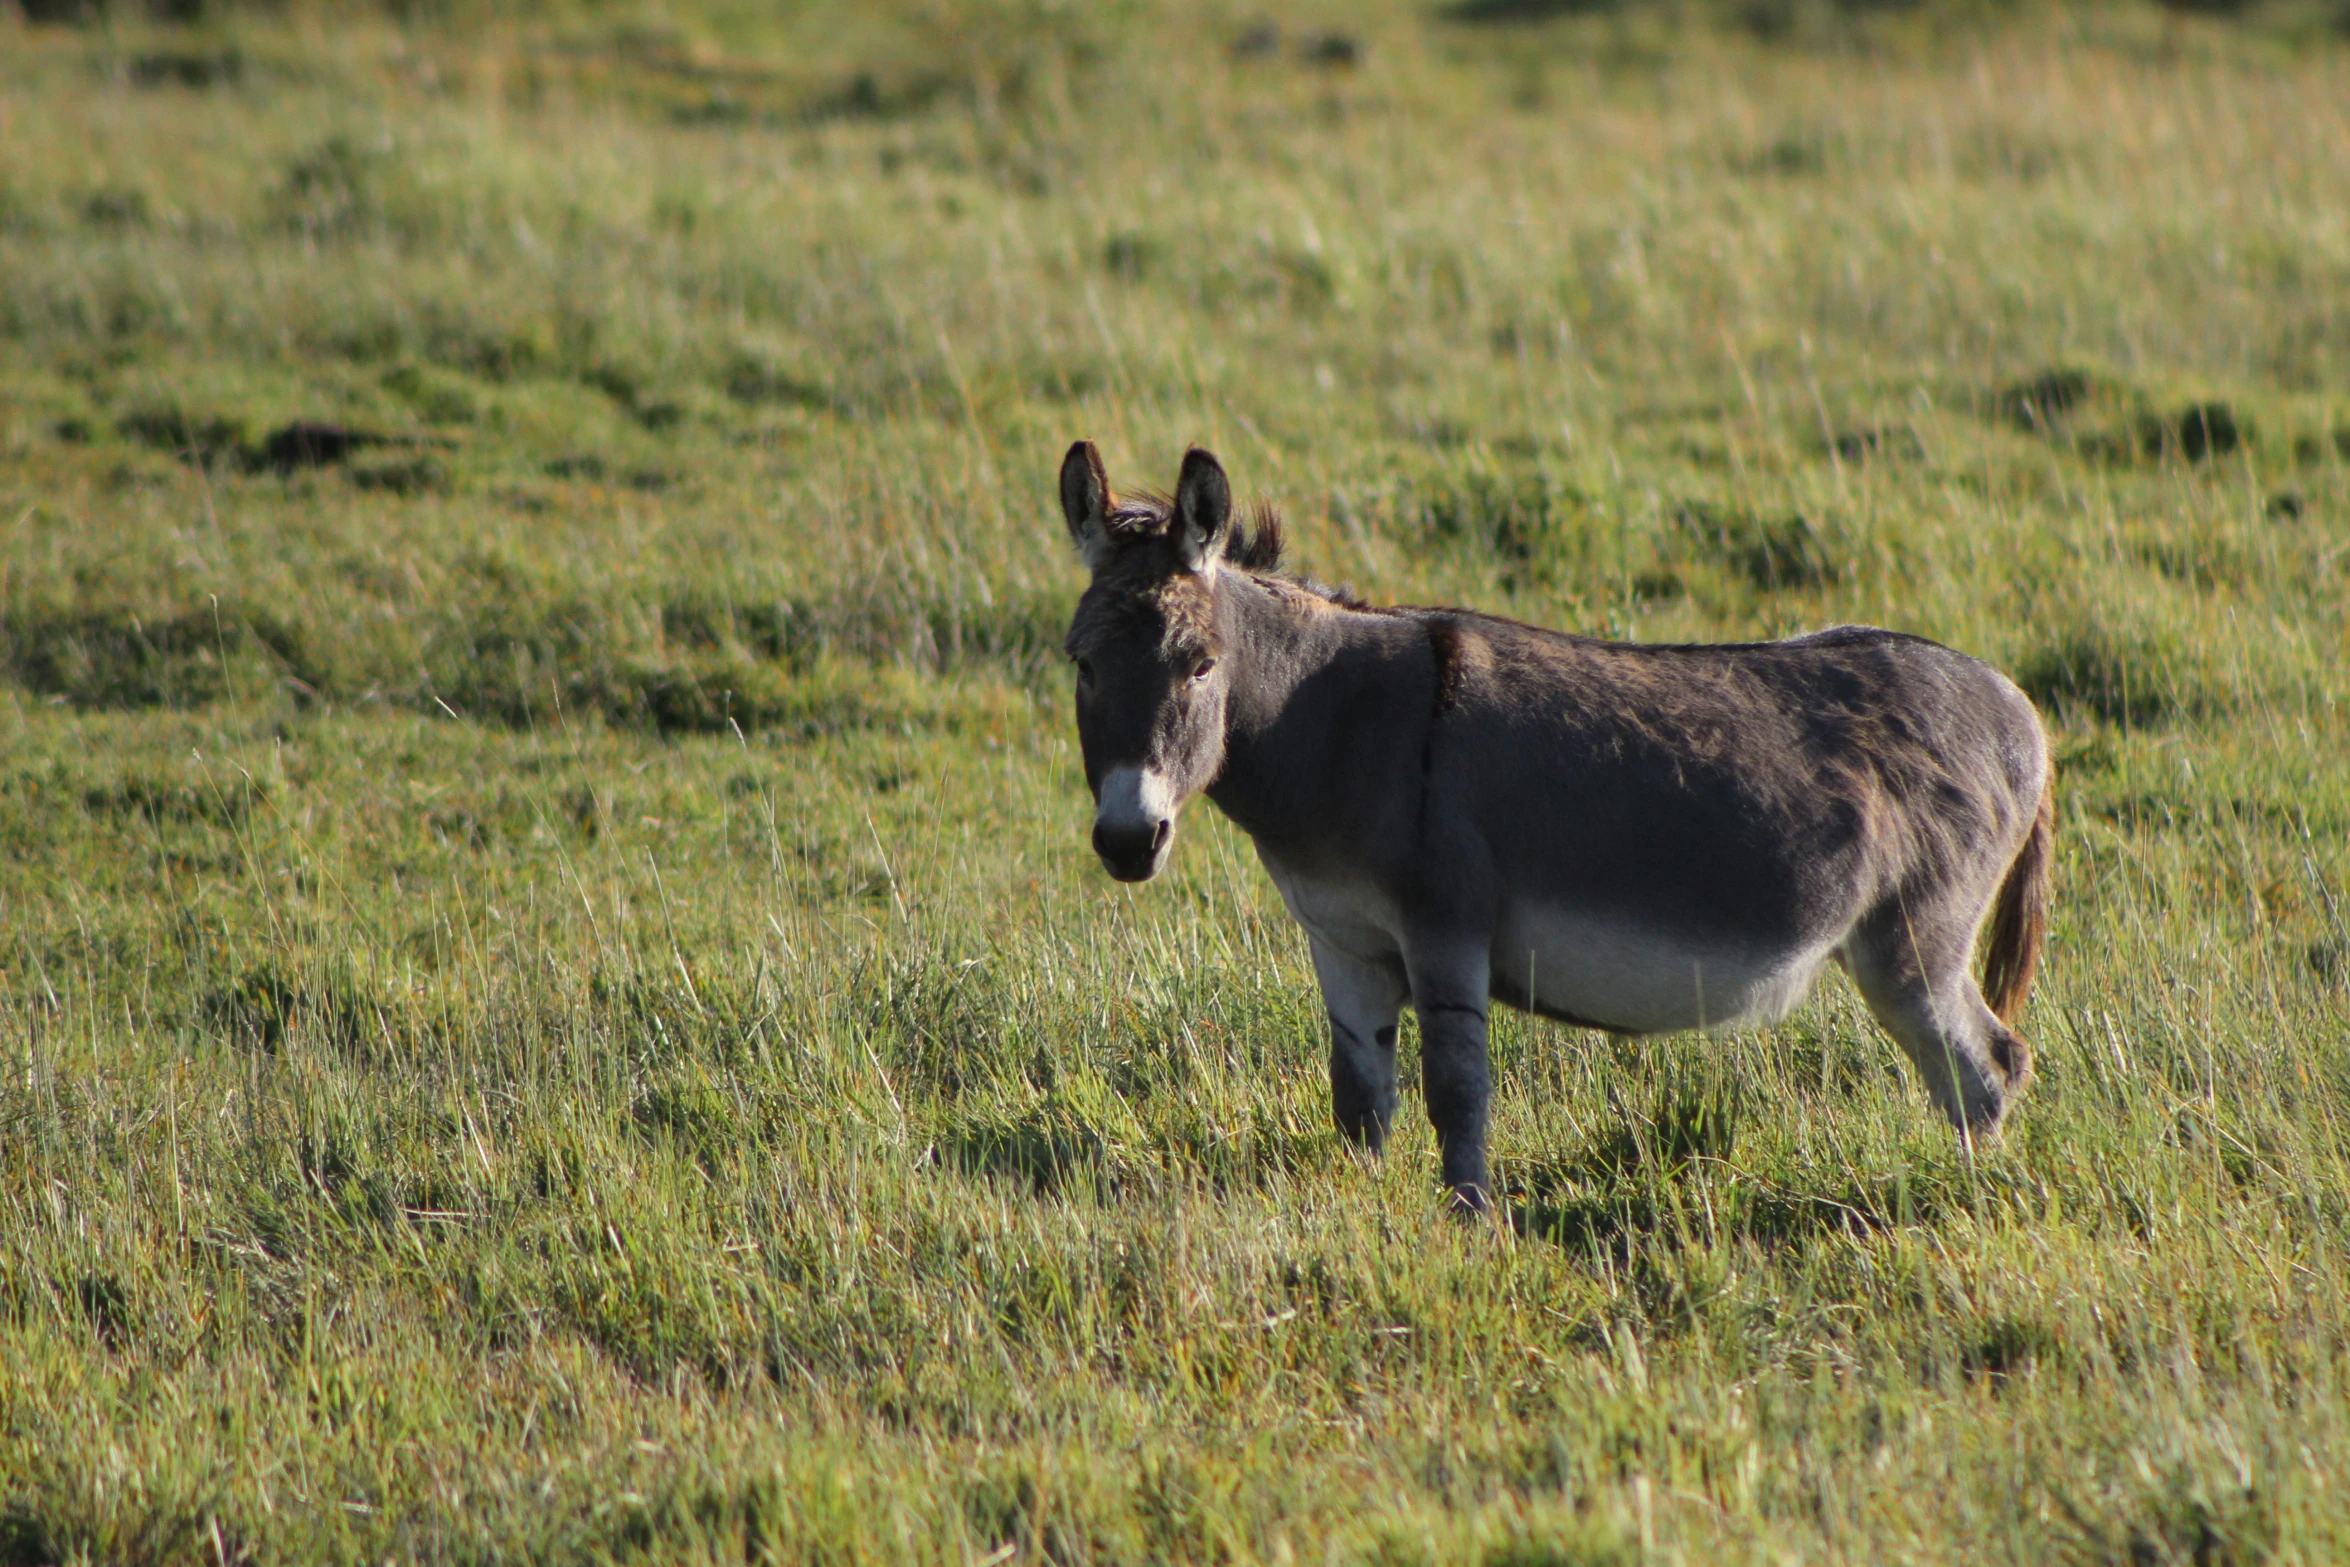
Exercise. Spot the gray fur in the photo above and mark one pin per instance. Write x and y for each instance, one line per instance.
(1641, 838)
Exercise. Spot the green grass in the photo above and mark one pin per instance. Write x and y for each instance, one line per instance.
(554, 1003)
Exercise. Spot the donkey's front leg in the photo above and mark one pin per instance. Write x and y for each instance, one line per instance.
(1450, 994)
(1363, 997)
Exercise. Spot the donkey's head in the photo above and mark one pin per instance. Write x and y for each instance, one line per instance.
(1151, 678)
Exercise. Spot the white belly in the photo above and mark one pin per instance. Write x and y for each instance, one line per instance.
(1643, 981)
(1590, 968)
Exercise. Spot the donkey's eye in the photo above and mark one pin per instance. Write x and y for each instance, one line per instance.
(1199, 671)
(1085, 671)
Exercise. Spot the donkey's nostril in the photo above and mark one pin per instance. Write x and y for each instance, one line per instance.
(1131, 850)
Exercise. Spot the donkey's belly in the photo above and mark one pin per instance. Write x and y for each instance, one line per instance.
(1604, 973)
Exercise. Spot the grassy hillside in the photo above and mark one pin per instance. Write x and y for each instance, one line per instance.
(554, 1003)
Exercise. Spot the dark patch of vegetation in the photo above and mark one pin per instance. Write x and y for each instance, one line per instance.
(2200, 559)
(335, 189)
(693, 1117)
(1620, 1217)
(1256, 41)
(2040, 401)
(1332, 49)
(1491, 12)
(1897, 442)
(155, 801)
(196, 69)
(1511, 512)
(1039, 1153)
(2100, 418)
(262, 1008)
(182, 13)
(1772, 553)
(757, 381)
(2196, 432)
(504, 679)
(25, 1541)
(224, 441)
(105, 1304)
(2201, 1530)
(1692, 1120)
(872, 95)
(116, 658)
(254, 1010)
(2013, 1346)
(313, 443)
(117, 207)
(585, 467)
(1792, 154)
(2133, 678)
(205, 438)
(589, 468)
(1131, 255)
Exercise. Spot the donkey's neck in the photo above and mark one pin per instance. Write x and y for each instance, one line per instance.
(1296, 665)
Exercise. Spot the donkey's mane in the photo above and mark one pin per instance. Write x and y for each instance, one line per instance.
(1253, 546)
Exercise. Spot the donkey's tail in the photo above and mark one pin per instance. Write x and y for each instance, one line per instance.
(2019, 917)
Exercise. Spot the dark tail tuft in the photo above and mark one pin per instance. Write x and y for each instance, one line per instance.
(2019, 917)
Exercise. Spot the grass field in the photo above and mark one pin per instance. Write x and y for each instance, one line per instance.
(554, 1003)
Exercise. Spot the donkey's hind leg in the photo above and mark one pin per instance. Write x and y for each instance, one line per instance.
(1911, 967)
(1363, 998)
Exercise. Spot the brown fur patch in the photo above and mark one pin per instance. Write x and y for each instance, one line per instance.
(1447, 641)
(1146, 590)
(2019, 918)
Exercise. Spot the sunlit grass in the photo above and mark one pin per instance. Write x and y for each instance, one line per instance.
(553, 999)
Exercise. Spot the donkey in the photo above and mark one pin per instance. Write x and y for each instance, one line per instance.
(1638, 838)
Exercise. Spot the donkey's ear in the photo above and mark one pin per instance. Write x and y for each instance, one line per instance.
(1086, 503)
(1203, 508)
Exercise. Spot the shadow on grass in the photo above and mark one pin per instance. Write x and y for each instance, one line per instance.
(1048, 1154)
(1620, 1220)
(1041, 1154)
(1668, 1173)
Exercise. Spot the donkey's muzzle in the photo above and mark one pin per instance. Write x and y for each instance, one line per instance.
(1134, 818)
(1133, 851)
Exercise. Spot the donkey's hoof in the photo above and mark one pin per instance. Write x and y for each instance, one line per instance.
(1469, 1204)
